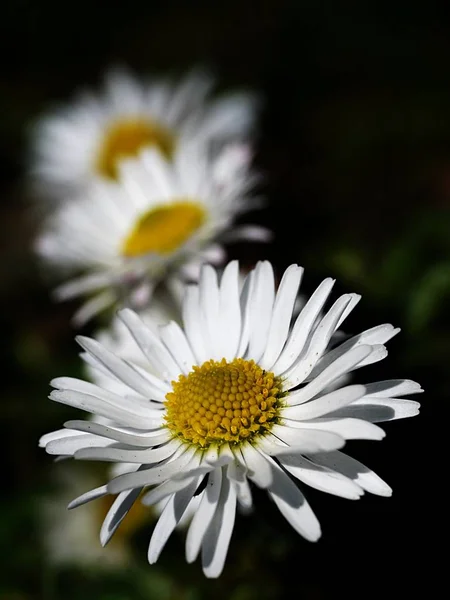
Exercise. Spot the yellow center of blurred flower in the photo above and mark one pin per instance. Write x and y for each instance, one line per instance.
(127, 137)
(164, 228)
(223, 402)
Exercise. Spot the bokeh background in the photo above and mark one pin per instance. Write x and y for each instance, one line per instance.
(355, 146)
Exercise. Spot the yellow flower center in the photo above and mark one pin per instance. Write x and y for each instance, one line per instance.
(223, 402)
(126, 138)
(164, 228)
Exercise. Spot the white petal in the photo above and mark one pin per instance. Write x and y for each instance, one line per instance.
(293, 505)
(118, 367)
(167, 488)
(237, 474)
(109, 410)
(135, 438)
(157, 354)
(373, 337)
(92, 307)
(209, 306)
(246, 311)
(282, 315)
(173, 337)
(303, 326)
(217, 537)
(70, 445)
(258, 469)
(155, 475)
(376, 410)
(355, 470)
(193, 324)
(263, 295)
(88, 496)
(169, 519)
(286, 440)
(341, 365)
(347, 428)
(56, 435)
(204, 515)
(230, 310)
(393, 388)
(318, 343)
(82, 285)
(323, 404)
(118, 511)
(148, 457)
(320, 478)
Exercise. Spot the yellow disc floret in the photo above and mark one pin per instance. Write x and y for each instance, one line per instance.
(125, 138)
(164, 228)
(222, 402)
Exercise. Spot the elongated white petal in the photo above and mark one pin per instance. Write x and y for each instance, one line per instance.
(230, 310)
(173, 337)
(118, 511)
(318, 343)
(393, 388)
(347, 428)
(263, 295)
(323, 404)
(148, 456)
(373, 337)
(337, 368)
(209, 305)
(118, 367)
(154, 475)
(169, 519)
(88, 496)
(320, 477)
(193, 324)
(282, 314)
(92, 307)
(258, 469)
(56, 435)
(354, 470)
(237, 474)
(153, 349)
(71, 445)
(246, 311)
(377, 410)
(292, 504)
(288, 440)
(136, 438)
(217, 537)
(303, 326)
(98, 406)
(204, 515)
(165, 489)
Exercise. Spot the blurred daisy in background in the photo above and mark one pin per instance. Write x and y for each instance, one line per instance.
(92, 136)
(161, 220)
(71, 538)
(239, 395)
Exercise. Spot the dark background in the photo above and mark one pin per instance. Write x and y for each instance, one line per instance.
(355, 145)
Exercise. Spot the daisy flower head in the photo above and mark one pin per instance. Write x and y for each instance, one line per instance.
(243, 395)
(158, 222)
(90, 137)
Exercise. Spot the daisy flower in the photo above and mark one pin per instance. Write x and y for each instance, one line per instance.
(90, 137)
(242, 396)
(160, 220)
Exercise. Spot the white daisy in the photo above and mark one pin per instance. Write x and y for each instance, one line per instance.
(241, 396)
(123, 238)
(93, 135)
